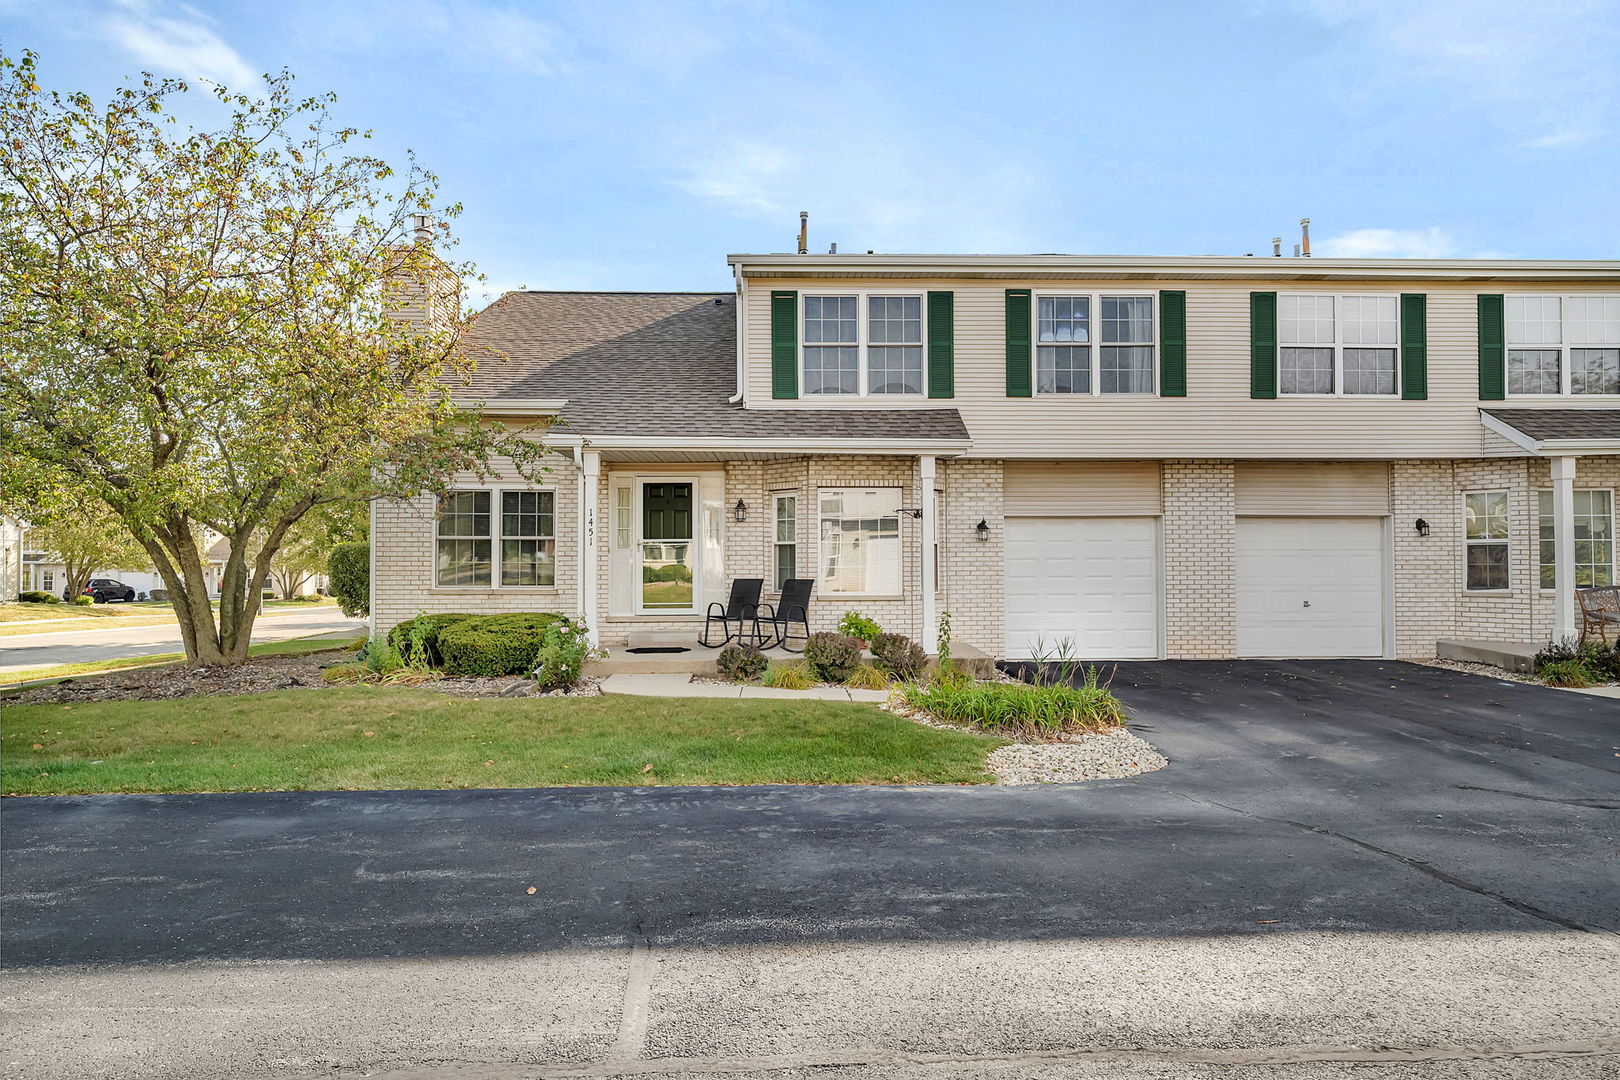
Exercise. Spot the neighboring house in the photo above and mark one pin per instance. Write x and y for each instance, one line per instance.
(1148, 457)
(47, 573)
(11, 557)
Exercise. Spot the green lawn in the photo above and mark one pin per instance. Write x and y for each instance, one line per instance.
(19, 679)
(371, 737)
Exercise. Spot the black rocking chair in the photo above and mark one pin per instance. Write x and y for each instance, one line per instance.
(793, 609)
(739, 614)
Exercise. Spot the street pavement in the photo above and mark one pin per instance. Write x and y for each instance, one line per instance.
(112, 642)
(1348, 870)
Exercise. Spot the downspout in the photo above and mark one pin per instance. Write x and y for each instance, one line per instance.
(742, 385)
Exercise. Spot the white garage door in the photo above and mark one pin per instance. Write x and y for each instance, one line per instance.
(1310, 586)
(1092, 580)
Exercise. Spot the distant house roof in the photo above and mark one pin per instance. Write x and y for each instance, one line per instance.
(1559, 425)
(652, 364)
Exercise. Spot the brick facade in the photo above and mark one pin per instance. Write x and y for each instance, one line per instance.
(1199, 528)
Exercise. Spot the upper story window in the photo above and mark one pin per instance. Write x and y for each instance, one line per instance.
(1337, 345)
(1090, 343)
(1563, 344)
(863, 344)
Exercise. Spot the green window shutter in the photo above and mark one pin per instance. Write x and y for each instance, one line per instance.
(1492, 348)
(1414, 346)
(1019, 382)
(784, 344)
(1262, 344)
(1172, 344)
(941, 344)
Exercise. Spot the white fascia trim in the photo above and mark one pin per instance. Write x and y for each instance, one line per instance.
(1219, 266)
(782, 445)
(1548, 447)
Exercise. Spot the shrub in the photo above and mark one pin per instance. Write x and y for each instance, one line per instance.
(788, 677)
(832, 657)
(1558, 651)
(494, 644)
(159, 595)
(349, 570)
(1605, 662)
(560, 661)
(84, 601)
(418, 639)
(858, 626)
(903, 657)
(37, 596)
(740, 663)
(1045, 712)
(1573, 673)
(867, 677)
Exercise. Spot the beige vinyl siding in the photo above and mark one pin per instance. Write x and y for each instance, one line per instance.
(1216, 419)
(1289, 488)
(1089, 489)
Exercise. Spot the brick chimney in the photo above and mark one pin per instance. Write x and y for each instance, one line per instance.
(423, 291)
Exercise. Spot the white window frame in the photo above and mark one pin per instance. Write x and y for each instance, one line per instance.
(495, 537)
(1094, 346)
(862, 380)
(777, 543)
(1613, 544)
(824, 579)
(1338, 345)
(1563, 347)
(1506, 540)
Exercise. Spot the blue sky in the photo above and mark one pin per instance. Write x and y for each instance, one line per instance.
(633, 145)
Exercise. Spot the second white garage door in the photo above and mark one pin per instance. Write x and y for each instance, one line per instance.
(1310, 586)
(1093, 580)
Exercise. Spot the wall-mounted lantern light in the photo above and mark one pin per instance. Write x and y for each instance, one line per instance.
(1422, 527)
(739, 513)
(982, 530)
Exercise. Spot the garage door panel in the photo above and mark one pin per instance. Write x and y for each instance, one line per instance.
(1091, 580)
(1310, 586)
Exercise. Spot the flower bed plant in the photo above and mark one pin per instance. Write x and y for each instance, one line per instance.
(1040, 712)
(1569, 663)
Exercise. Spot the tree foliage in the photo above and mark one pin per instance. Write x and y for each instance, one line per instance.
(86, 537)
(223, 326)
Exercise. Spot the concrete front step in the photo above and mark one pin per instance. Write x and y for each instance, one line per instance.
(1507, 655)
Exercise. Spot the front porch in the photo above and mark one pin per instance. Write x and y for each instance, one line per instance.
(680, 654)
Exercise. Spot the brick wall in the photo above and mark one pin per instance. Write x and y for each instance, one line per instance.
(973, 571)
(1200, 559)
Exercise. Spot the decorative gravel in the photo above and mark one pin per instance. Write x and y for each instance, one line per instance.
(1489, 671)
(1106, 755)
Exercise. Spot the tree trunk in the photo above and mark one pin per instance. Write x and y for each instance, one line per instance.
(78, 576)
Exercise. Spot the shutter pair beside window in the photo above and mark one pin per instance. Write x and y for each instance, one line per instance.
(940, 337)
(1414, 351)
(1172, 343)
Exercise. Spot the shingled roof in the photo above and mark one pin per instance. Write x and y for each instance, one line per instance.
(652, 364)
(1544, 424)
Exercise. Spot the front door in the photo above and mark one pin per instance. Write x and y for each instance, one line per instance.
(667, 549)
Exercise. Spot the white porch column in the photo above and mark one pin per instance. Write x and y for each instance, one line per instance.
(590, 476)
(1563, 480)
(930, 536)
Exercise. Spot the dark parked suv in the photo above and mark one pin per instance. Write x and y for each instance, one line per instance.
(105, 590)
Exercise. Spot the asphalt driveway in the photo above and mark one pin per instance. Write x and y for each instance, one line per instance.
(1347, 865)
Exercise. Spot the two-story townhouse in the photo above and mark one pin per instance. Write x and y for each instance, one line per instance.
(1148, 457)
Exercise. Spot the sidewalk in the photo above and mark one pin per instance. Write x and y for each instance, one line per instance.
(681, 685)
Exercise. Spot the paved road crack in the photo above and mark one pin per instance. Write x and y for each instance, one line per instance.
(1414, 864)
(1590, 804)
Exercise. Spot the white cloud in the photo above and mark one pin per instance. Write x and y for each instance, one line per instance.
(1431, 243)
(179, 43)
(1557, 140)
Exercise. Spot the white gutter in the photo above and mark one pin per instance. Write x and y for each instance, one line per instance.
(1167, 266)
(779, 445)
(742, 374)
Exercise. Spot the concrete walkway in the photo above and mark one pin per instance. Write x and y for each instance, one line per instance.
(679, 685)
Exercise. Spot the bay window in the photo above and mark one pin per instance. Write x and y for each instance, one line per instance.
(472, 540)
(860, 541)
(1074, 356)
(1337, 345)
(1594, 539)
(1563, 345)
(863, 344)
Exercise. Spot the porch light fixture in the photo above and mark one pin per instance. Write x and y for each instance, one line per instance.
(1422, 527)
(982, 530)
(739, 513)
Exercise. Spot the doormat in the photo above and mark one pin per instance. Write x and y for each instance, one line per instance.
(659, 649)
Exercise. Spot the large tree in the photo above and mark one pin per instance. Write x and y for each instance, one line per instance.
(224, 323)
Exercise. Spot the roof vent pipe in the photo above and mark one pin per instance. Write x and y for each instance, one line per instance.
(1296, 251)
(804, 232)
(1276, 247)
(832, 249)
(1305, 236)
(422, 226)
